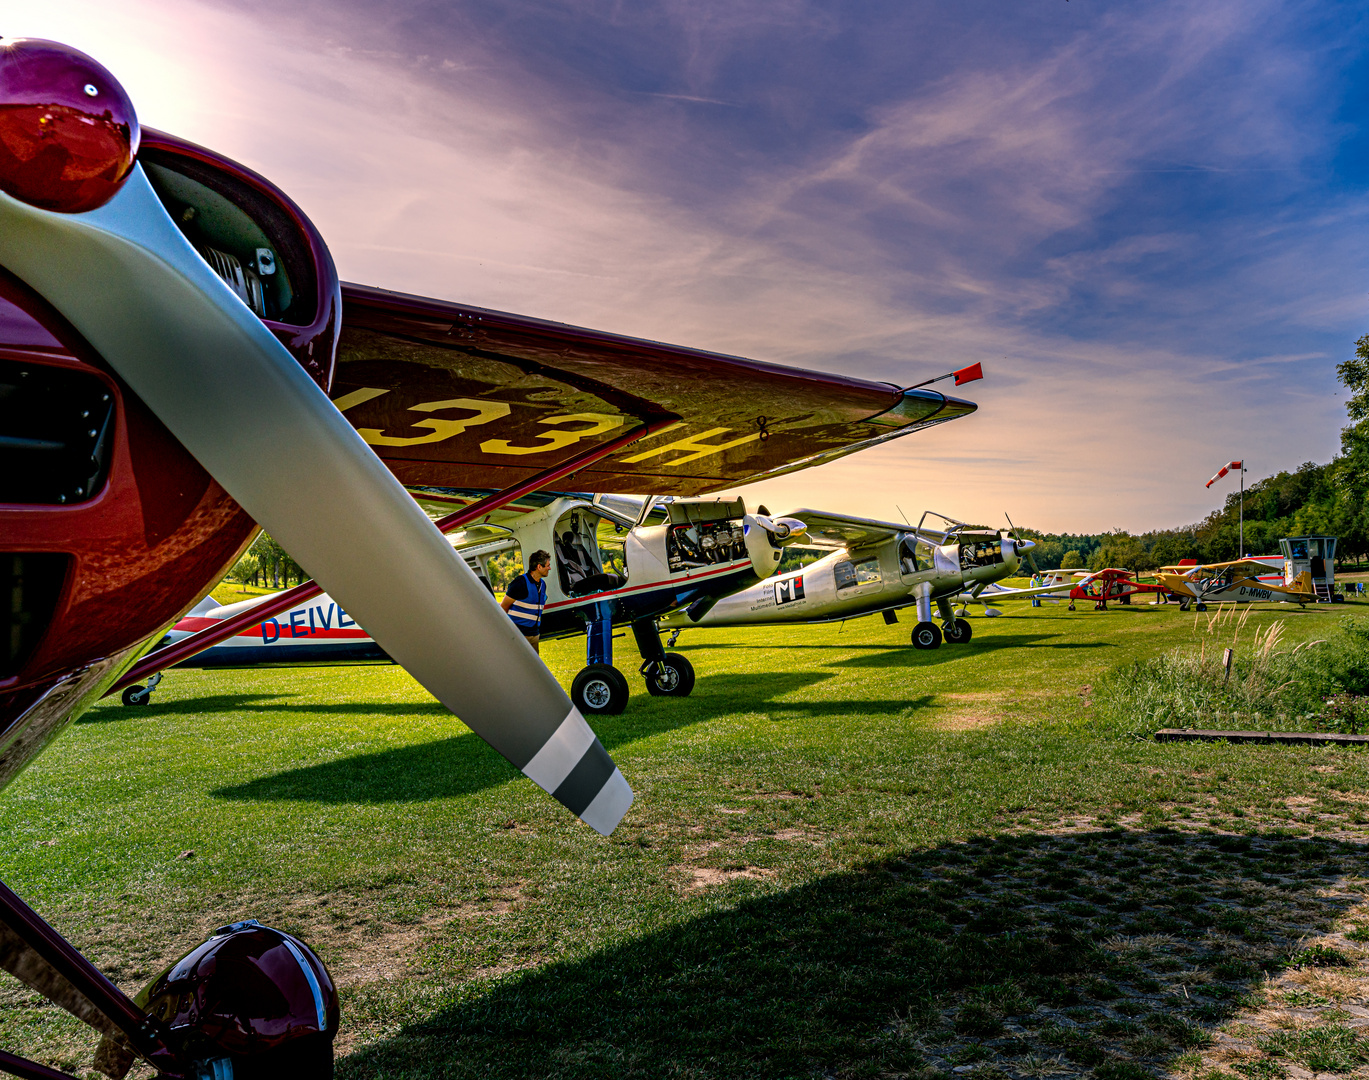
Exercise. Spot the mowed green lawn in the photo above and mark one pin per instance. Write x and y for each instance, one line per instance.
(847, 857)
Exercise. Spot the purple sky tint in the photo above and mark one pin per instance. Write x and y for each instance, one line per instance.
(1146, 219)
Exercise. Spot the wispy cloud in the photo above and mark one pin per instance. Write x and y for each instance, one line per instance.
(1139, 216)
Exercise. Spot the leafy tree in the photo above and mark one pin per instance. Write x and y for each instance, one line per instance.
(1352, 467)
(1122, 550)
(245, 570)
(1072, 560)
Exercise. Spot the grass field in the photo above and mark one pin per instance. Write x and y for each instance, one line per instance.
(847, 858)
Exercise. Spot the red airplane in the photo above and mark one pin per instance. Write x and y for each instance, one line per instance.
(1111, 584)
(146, 284)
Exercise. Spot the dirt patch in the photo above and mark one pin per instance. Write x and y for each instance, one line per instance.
(967, 720)
(796, 834)
(703, 877)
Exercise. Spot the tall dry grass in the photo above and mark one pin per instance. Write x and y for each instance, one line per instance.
(1312, 686)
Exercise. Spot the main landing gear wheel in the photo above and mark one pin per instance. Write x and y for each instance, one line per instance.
(674, 677)
(1071, 607)
(600, 689)
(135, 695)
(957, 632)
(1200, 607)
(926, 635)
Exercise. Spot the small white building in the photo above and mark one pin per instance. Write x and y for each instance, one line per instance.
(1316, 555)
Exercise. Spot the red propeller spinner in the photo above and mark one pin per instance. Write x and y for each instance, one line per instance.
(68, 132)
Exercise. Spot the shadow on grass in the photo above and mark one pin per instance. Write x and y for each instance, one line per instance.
(907, 656)
(112, 710)
(762, 693)
(900, 654)
(445, 768)
(1111, 953)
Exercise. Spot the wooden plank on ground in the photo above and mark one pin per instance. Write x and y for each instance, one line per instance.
(1276, 738)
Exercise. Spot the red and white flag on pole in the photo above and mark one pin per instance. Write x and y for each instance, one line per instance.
(1224, 470)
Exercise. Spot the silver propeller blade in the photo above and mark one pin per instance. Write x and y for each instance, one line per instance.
(129, 281)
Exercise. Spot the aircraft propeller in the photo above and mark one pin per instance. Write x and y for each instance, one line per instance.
(1022, 545)
(785, 528)
(112, 261)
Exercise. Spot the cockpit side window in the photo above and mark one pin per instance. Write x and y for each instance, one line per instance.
(851, 574)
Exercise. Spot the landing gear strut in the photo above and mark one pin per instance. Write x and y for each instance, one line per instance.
(601, 689)
(956, 631)
(926, 634)
(666, 674)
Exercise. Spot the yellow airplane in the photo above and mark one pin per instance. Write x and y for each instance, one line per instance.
(1231, 582)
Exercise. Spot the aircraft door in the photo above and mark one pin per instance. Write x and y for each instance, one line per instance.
(914, 556)
(588, 553)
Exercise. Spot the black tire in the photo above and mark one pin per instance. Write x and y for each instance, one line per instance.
(926, 635)
(1199, 607)
(1071, 607)
(677, 680)
(135, 695)
(600, 690)
(957, 632)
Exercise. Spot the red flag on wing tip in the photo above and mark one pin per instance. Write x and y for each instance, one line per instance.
(968, 374)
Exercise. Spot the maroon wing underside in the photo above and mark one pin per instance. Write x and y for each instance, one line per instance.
(455, 396)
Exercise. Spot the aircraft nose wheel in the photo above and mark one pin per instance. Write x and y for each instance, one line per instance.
(673, 677)
(926, 635)
(135, 695)
(600, 689)
(957, 632)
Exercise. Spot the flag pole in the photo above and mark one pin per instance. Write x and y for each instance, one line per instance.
(1241, 554)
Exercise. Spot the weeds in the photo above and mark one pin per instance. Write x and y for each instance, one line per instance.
(1320, 956)
(1325, 1048)
(1316, 685)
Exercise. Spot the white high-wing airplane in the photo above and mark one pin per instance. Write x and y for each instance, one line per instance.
(876, 566)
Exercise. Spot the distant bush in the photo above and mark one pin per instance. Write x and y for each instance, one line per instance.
(1317, 686)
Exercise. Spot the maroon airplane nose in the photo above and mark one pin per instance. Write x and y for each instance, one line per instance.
(68, 133)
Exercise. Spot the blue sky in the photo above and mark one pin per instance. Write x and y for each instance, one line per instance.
(1147, 220)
